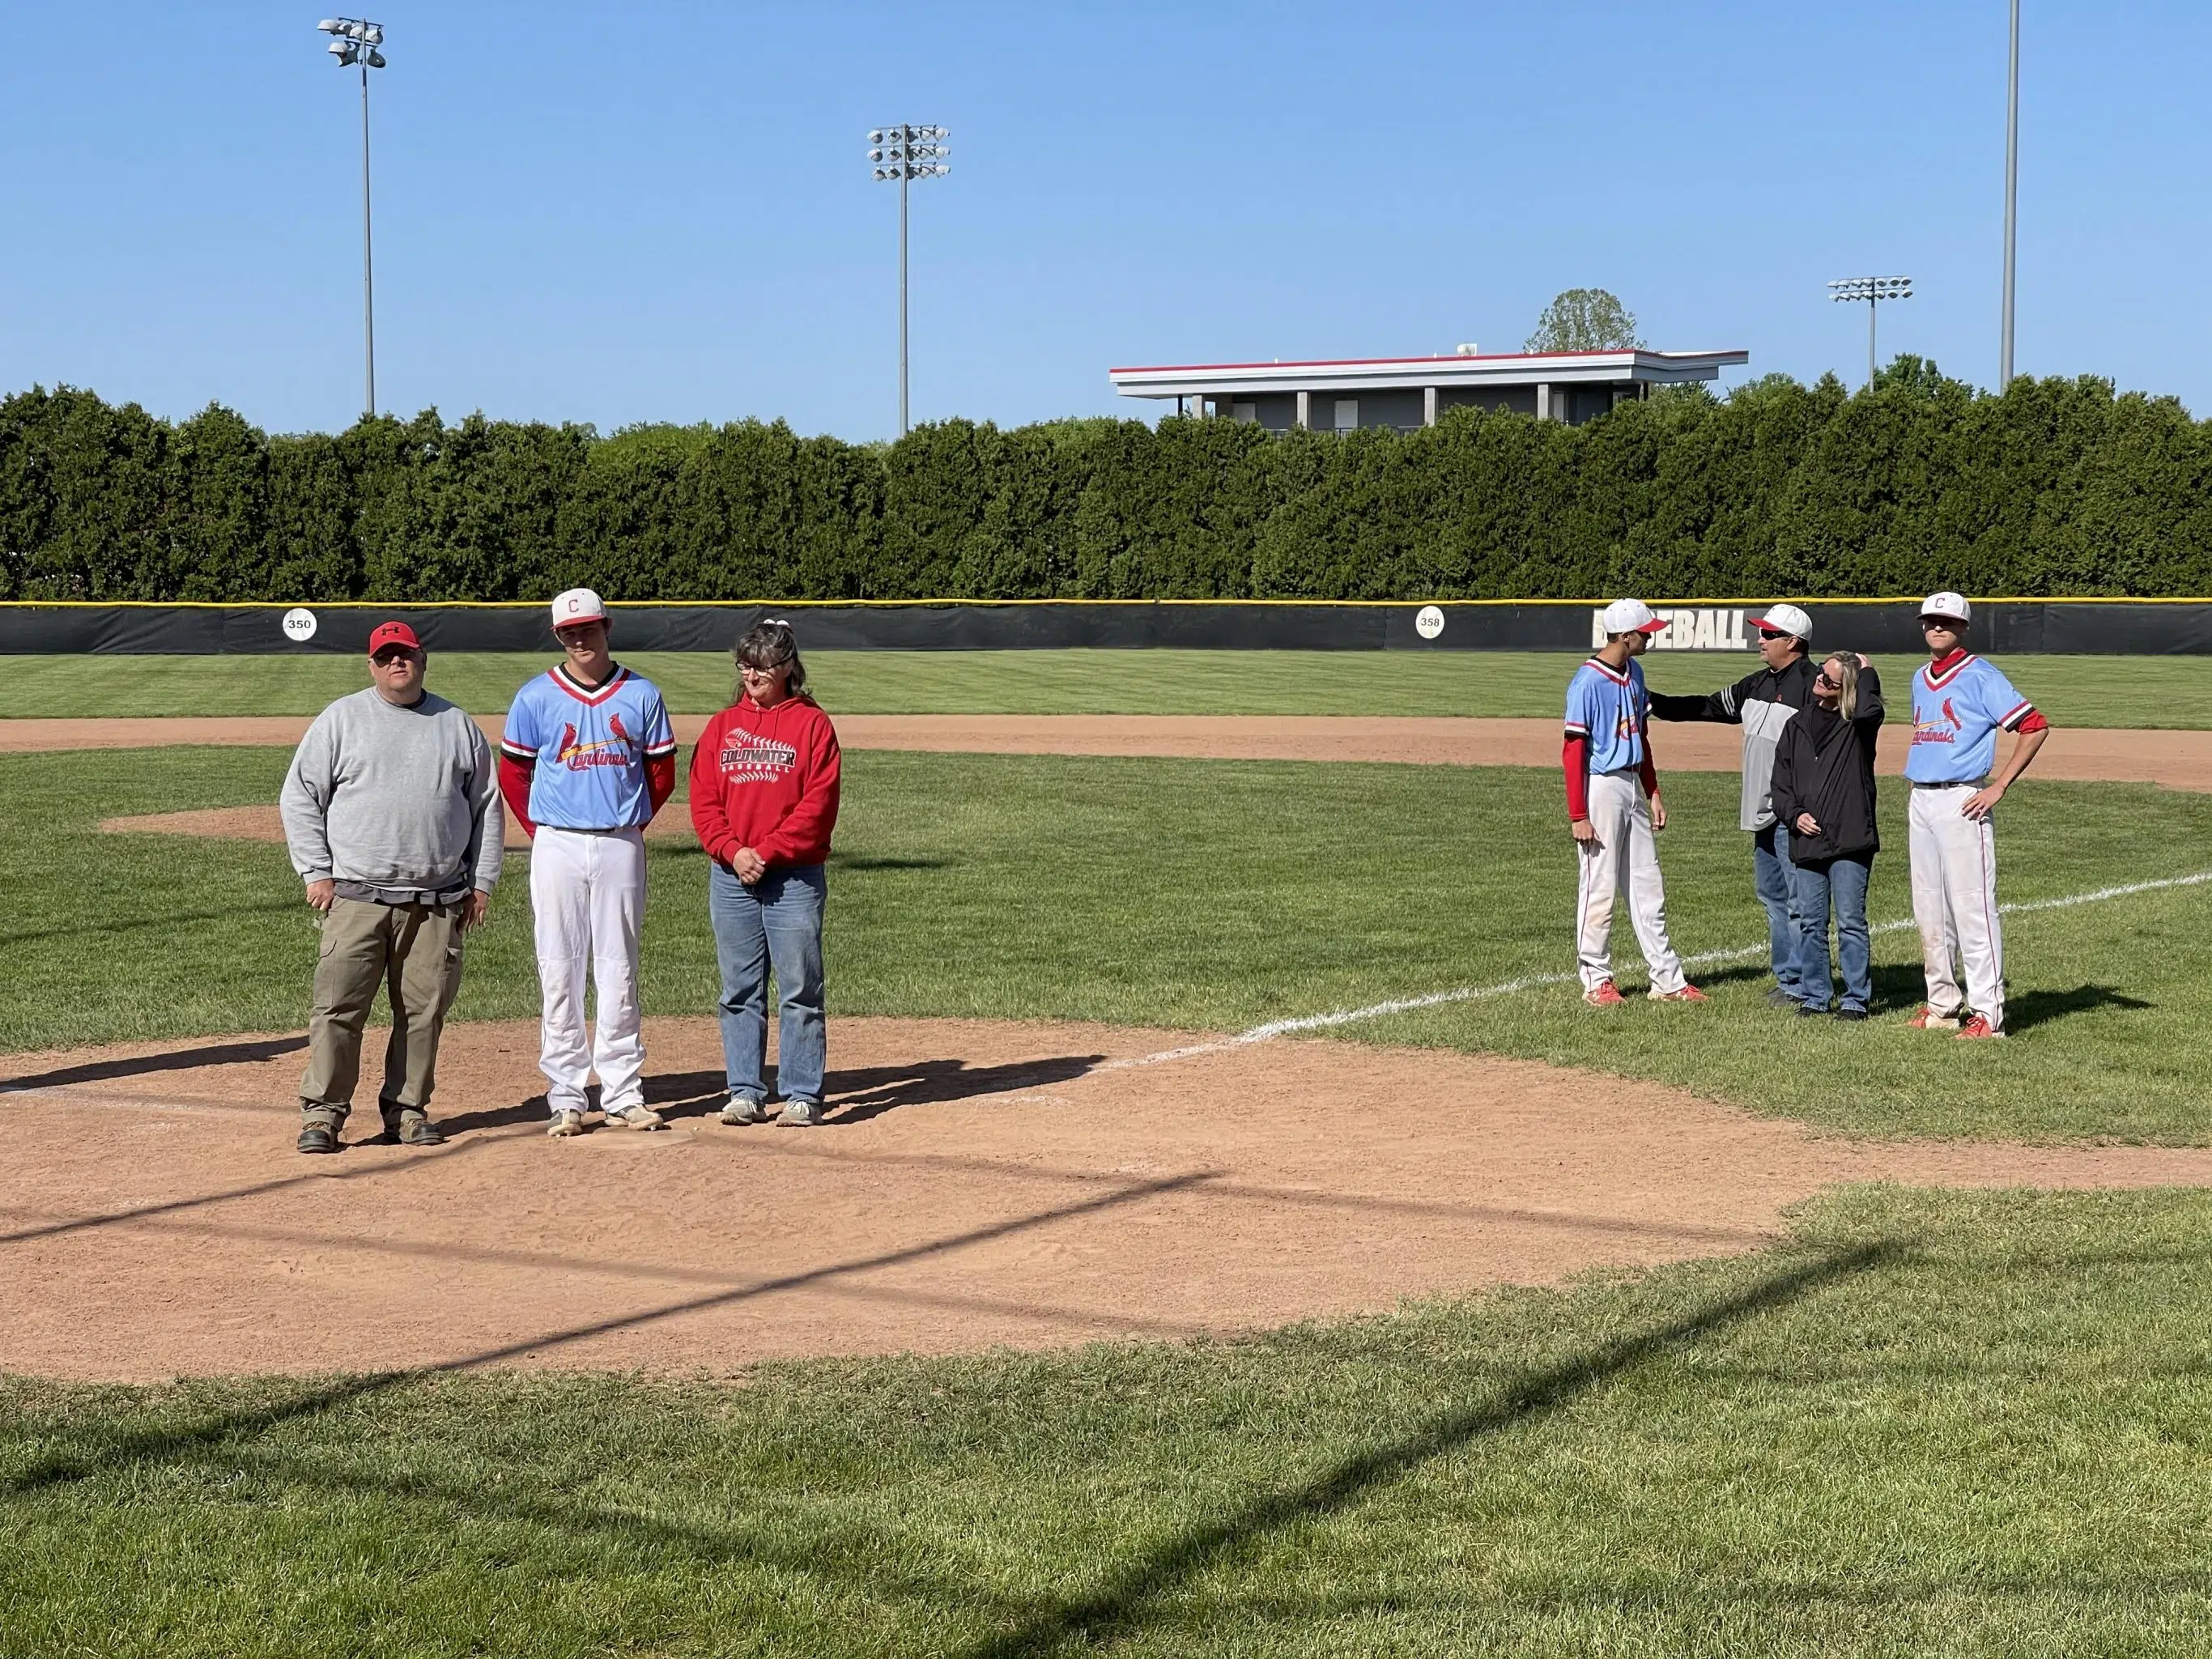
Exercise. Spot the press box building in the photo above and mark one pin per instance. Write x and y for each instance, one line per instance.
(1406, 392)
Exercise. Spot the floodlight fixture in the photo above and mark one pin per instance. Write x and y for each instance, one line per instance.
(355, 41)
(1873, 290)
(904, 153)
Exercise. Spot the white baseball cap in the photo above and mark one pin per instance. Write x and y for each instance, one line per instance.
(1951, 607)
(1629, 616)
(1785, 619)
(578, 604)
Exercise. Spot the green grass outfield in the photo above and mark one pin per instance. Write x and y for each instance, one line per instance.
(1966, 1425)
(2129, 691)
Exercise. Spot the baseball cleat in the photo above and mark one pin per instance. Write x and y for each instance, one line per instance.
(418, 1130)
(318, 1138)
(743, 1108)
(1604, 994)
(1687, 994)
(566, 1124)
(1978, 1029)
(1929, 1020)
(1851, 1013)
(634, 1117)
(800, 1114)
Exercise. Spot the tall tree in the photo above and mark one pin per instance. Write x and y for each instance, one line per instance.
(1584, 319)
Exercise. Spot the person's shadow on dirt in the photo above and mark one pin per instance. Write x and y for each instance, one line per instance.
(859, 1093)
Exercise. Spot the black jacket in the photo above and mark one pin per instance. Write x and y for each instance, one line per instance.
(1824, 765)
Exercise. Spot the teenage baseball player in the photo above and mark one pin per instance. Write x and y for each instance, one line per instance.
(586, 759)
(1959, 701)
(1614, 810)
(1763, 702)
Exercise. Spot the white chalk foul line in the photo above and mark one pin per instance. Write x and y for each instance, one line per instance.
(1278, 1027)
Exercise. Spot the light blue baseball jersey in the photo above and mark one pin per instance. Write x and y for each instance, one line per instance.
(589, 748)
(1956, 716)
(1611, 709)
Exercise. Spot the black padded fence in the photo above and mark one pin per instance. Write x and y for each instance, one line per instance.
(2098, 627)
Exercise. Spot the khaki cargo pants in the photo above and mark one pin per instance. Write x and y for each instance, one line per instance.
(416, 950)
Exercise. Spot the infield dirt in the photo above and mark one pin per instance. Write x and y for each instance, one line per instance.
(2180, 760)
(978, 1183)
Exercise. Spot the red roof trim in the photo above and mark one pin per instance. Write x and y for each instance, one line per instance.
(1366, 363)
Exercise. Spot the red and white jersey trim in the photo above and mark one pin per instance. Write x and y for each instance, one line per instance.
(591, 696)
(1935, 681)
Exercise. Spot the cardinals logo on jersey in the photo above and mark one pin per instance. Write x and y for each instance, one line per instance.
(615, 750)
(1944, 730)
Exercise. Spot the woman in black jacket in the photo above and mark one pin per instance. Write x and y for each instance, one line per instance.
(1824, 791)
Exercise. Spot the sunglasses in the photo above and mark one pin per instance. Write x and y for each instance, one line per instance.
(1929, 624)
(1823, 680)
(1772, 634)
(392, 654)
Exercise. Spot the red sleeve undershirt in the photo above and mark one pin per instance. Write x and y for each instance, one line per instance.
(659, 779)
(514, 778)
(2033, 721)
(1648, 771)
(1574, 761)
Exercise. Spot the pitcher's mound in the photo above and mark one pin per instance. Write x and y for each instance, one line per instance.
(978, 1183)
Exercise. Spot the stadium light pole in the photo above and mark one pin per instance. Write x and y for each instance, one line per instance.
(355, 41)
(1874, 291)
(907, 153)
(2011, 200)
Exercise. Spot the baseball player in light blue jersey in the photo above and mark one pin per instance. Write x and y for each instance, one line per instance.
(1614, 811)
(1960, 703)
(586, 759)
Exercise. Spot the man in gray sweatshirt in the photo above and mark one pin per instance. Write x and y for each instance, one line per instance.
(391, 811)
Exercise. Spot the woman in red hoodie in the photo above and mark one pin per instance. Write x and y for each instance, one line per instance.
(764, 799)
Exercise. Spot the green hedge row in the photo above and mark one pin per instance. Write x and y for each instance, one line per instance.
(2056, 486)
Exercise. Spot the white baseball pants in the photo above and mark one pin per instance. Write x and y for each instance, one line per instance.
(588, 893)
(1954, 900)
(1623, 859)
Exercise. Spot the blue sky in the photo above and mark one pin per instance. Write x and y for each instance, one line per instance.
(635, 212)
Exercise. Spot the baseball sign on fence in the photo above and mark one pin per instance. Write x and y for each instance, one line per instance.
(299, 624)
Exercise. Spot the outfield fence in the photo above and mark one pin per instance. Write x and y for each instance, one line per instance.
(2093, 627)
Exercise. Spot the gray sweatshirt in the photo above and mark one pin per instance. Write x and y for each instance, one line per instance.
(396, 804)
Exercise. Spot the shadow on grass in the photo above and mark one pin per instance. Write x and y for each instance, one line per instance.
(154, 1444)
(178, 1059)
(1116, 1608)
(2035, 1008)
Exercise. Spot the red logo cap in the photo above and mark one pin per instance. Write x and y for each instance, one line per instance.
(392, 633)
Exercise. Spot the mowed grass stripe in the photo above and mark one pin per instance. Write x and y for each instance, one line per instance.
(2160, 692)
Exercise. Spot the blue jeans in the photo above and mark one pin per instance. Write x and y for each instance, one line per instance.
(1775, 877)
(1844, 880)
(779, 920)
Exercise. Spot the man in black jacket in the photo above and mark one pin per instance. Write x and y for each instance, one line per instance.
(1763, 702)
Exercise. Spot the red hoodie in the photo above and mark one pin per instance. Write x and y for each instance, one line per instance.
(767, 779)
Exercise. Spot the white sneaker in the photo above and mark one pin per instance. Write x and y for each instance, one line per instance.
(634, 1117)
(566, 1124)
